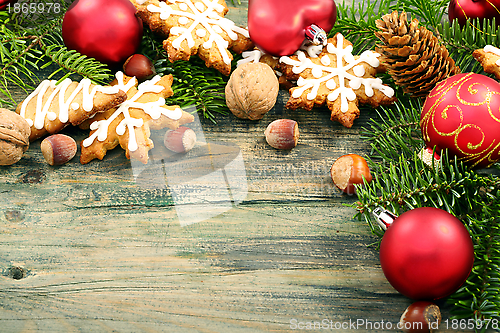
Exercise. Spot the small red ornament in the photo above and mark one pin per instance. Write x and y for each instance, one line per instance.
(426, 253)
(472, 9)
(106, 30)
(462, 114)
(279, 27)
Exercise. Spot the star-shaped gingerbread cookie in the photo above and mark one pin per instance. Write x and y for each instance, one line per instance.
(195, 27)
(336, 78)
(489, 58)
(129, 124)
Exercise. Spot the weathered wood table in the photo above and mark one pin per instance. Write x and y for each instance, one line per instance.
(233, 237)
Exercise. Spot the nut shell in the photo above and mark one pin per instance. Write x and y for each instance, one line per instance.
(420, 317)
(140, 66)
(282, 134)
(252, 90)
(349, 170)
(58, 149)
(14, 137)
(180, 140)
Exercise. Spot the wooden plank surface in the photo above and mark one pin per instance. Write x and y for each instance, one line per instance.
(254, 240)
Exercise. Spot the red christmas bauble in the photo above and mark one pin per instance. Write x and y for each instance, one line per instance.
(106, 30)
(472, 9)
(279, 27)
(462, 114)
(5, 3)
(426, 254)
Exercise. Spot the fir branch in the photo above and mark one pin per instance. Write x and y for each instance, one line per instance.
(193, 81)
(462, 41)
(484, 281)
(30, 43)
(357, 24)
(401, 181)
(395, 131)
(71, 62)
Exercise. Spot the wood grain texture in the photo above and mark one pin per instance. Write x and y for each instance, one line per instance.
(102, 248)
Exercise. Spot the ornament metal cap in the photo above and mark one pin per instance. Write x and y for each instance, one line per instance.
(316, 35)
(384, 217)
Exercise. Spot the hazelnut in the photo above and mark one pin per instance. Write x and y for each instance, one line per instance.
(282, 134)
(58, 149)
(349, 170)
(180, 140)
(421, 317)
(252, 90)
(139, 66)
(14, 137)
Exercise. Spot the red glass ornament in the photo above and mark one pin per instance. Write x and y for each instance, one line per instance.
(279, 27)
(5, 3)
(426, 254)
(106, 30)
(462, 114)
(472, 9)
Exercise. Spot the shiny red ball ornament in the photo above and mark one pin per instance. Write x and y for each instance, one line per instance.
(106, 30)
(279, 27)
(472, 9)
(462, 114)
(426, 254)
(5, 3)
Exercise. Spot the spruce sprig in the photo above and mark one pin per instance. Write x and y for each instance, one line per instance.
(462, 41)
(31, 43)
(194, 83)
(402, 181)
(70, 62)
(479, 296)
(429, 13)
(357, 23)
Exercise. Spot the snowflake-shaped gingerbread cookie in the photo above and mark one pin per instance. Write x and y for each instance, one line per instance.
(337, 78)
(195, 27)
(129, 124)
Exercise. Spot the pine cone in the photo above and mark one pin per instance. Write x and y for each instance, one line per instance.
(412, 54)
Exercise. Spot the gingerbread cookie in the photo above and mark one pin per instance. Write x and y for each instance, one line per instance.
(195, 27)
(129, 124)
(489, 58)
(337, 78)
(50, 107)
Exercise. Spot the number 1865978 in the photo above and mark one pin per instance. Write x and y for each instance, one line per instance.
(471, 324)
(34, 8)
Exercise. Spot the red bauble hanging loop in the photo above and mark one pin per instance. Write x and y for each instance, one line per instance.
(462, 114)
(279, 27)
(106, 30)
(426, 254)
(472, 9)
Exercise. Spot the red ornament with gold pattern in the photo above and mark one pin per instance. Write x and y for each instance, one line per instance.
(462, 10)
(462, 114)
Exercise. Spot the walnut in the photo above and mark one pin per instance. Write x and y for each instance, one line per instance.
(14, 137)
(252, 90)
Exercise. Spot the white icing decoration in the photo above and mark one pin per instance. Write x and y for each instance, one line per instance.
(324, 74)
(153, 109)
(199, 6)
(207, 14)
(201, 33)
(494, 50)
(42, 108)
